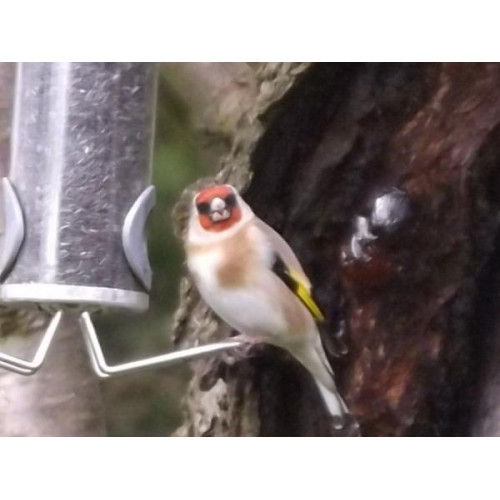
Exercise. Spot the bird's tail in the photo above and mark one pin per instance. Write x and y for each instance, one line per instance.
(313, 357)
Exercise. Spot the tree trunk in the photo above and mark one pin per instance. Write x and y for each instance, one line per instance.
(384, 179)
(63, 398)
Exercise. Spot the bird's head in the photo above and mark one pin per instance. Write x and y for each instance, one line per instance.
(218, 208)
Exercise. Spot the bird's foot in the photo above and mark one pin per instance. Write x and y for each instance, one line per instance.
(247, 349)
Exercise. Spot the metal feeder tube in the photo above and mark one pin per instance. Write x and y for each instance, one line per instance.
(77, 199)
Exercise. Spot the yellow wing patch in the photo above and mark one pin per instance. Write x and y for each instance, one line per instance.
(303, 294)
(295, 283)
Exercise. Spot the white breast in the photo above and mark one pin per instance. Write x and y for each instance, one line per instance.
(253, 310)
(203, 266)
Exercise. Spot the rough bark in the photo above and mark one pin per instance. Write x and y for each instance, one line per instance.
(220, 96)
(414, 293)
(63, 398)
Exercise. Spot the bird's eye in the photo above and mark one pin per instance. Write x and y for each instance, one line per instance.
(230, 200)
(203, 208)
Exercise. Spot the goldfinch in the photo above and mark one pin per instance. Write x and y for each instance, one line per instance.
(250, 277)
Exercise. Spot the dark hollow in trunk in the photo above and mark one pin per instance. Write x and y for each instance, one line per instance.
(418, 293)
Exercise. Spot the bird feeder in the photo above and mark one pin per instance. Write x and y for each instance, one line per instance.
(77, 199)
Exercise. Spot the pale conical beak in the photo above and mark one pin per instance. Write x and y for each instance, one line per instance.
(218, 210)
